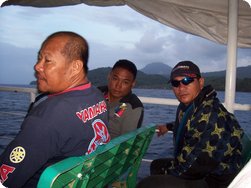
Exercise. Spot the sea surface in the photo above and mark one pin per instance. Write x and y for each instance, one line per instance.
(13, 108)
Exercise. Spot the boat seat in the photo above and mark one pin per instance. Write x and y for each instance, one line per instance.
(120, 158)
(246, 148)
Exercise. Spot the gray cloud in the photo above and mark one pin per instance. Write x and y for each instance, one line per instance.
(112, 32)
(177, 46)
(16, 64)
(124, 19)
(150, 43)
(29, 12)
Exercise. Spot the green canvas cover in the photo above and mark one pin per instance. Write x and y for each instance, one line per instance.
(120, 158)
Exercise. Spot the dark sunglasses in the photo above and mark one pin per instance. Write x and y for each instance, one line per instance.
(185, 81)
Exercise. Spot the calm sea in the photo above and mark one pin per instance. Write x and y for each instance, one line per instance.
(13, 107)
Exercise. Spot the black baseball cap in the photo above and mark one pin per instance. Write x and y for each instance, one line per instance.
(185, 68)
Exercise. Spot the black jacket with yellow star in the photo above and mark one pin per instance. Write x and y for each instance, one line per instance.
(209, 145)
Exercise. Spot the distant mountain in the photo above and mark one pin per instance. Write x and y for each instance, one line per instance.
(157, 79)
(157, 68)
(242, 72)
(151, 81)
(98, 77)
(165, 70)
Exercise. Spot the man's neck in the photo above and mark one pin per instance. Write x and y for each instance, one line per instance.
(112, 98)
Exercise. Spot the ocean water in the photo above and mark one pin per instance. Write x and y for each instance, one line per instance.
(13, 108)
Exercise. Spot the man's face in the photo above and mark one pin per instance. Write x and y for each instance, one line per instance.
(52, 69)
(120, 83)
(187, 93)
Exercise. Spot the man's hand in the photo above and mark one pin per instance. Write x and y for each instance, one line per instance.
(161, 130)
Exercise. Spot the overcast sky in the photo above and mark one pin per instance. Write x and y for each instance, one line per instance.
(112, 32)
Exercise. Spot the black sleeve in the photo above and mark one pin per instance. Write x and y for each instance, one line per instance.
(170, 126)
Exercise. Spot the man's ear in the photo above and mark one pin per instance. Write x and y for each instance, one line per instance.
(77, 66)
(109, 75)
(201, 81)
(134, 83)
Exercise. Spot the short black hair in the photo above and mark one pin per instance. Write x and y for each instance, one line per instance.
(128, 65)
(76, 48)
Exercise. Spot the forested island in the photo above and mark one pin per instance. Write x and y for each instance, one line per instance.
(98, 77)
(154, 81)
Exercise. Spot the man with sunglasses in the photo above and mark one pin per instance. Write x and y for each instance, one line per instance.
(207, 146)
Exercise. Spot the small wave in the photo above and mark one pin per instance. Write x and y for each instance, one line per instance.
(13, 113)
